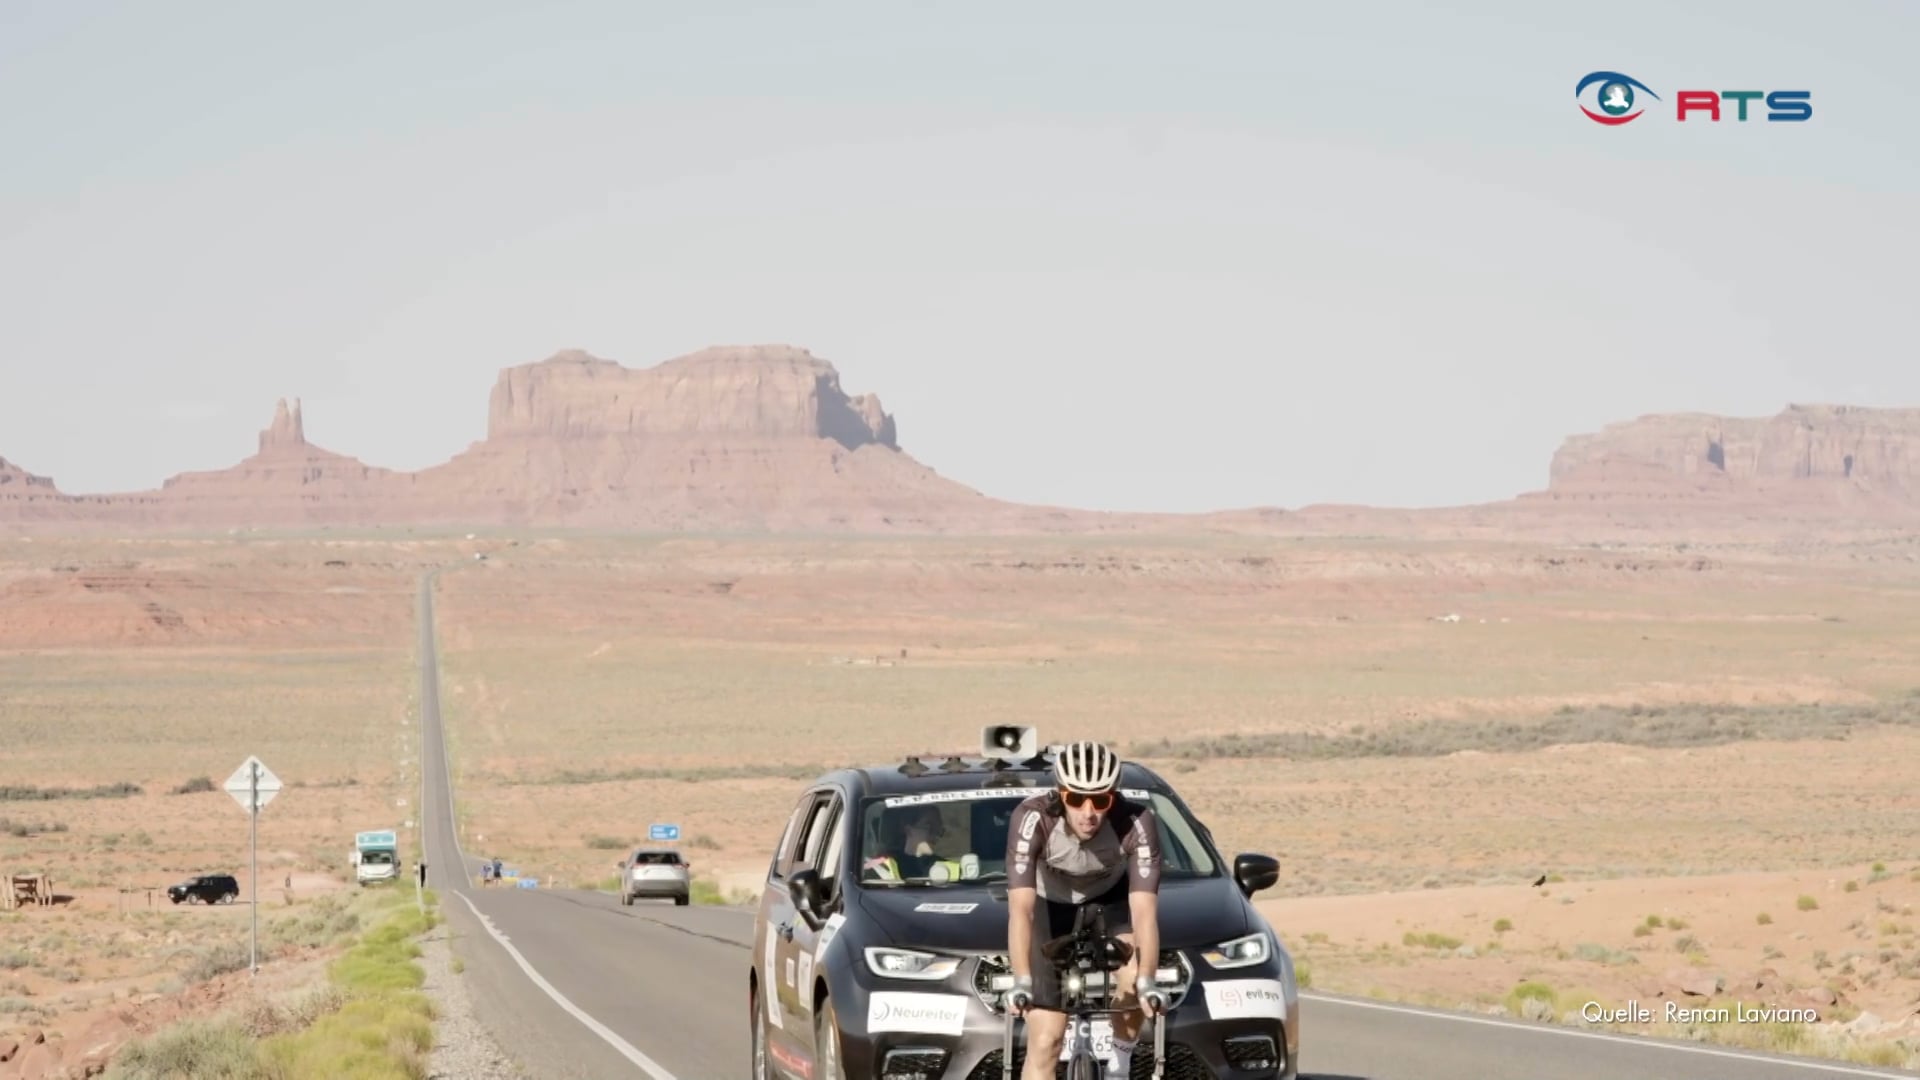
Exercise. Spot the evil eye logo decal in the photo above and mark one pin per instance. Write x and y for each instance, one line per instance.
(1616, 96)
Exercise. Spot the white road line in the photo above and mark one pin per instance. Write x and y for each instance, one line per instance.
(621, 1046)
(625, 1048)
(1831, 1069)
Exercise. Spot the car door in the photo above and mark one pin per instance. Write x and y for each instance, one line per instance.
(821, 854)
(786, 1048)
(807, 848)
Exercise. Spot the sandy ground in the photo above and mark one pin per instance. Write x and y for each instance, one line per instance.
(142, 667)
(596, 685)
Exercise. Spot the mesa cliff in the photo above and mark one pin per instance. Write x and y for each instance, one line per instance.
(1822, 453)
(753, 437)
(764, 438)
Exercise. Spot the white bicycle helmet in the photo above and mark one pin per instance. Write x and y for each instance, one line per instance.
(1087, 766)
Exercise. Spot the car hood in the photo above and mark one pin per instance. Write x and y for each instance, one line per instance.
(974, 919)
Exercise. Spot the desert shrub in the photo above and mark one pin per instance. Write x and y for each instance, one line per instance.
(1600, 954)
(1806, 903)
(194, 786)
(605, 843)
(1533, 1000)
(1701, 724)
(218, 959)
(215, 1049)
(29, 793)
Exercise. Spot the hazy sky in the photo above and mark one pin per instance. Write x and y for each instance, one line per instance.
(1126, 256)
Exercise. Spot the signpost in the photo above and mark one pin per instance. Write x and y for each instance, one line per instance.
(253, 786)
(663, 832)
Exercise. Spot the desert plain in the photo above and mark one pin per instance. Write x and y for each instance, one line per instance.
(1500, 775)
(1645, 737)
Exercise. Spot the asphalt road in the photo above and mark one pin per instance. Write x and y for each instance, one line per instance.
(574, 985)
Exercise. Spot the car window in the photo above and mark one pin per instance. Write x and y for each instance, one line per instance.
(835, 830)
(783, 855)
(656, 858)
(814, 836)
(927, 840)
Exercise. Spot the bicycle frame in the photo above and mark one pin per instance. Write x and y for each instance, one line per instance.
(1086, 959)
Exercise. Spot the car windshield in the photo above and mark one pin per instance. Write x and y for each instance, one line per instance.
(960, 837)
(656, 858)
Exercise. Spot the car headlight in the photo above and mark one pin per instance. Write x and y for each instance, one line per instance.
(909, 964)
(1246, 951)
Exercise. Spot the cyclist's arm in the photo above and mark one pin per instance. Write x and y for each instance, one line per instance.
(1143, 892)
(1145, 907)
(1026, 838)
(1020, 932)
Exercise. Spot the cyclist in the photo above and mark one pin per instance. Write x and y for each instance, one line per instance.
(1080, 845)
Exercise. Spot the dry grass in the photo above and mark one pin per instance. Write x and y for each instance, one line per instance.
(120, 730)
(1592, 723)
(706, 706)
(1601, 716)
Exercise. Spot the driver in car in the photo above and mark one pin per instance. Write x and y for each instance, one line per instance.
(1076, 846)
(910, 850)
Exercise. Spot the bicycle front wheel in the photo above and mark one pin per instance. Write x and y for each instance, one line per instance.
(1084, 1066)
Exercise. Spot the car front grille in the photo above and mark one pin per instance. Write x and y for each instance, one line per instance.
(1182, 1064)
(1253, 1053)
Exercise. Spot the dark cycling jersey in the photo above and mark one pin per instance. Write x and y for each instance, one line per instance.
(1044, 855)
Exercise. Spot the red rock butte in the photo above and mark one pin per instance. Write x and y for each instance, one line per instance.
(763, 438)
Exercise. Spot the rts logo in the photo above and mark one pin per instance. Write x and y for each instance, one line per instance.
(1616, 97)
(1618, 103)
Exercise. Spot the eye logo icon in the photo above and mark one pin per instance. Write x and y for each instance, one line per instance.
(1615, 97)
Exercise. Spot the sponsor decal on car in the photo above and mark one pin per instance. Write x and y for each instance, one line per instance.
(946, 909)
(770, 991)
(931, 1014)
(827, 931)
(979, 793)
(1231, 999)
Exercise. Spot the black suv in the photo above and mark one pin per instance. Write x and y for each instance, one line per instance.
(205, 889)
(891, 977)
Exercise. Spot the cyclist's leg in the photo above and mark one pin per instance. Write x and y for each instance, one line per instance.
(1126, 1025)
(1046, 1030)
(1046, 1024)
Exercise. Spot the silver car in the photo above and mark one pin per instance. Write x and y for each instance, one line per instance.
(656, 872)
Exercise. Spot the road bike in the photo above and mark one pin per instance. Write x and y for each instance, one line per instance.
(1086, 959)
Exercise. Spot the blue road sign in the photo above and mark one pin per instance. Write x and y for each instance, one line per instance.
(663, 832)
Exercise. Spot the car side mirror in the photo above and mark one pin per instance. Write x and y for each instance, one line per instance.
(1255, 872)
(809, 896)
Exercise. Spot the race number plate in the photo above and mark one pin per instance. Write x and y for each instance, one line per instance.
(1097, 1031)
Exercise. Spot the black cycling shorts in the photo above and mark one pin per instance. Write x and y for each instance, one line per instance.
(1052, 918)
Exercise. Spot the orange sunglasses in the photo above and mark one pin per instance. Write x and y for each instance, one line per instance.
(1102, 802)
